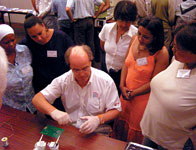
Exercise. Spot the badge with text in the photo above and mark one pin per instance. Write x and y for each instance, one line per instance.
(142, 61)
(52, 53)
(183, 73)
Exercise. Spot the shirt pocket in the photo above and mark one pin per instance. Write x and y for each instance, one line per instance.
(94, 106)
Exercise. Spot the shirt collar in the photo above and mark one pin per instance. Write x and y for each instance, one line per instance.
(20, 48)
(130, 32)
(113, 29)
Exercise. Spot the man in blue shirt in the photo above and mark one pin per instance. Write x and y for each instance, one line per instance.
(82, 17)
(64, 24)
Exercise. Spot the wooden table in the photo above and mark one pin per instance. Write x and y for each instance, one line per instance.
(27, 127)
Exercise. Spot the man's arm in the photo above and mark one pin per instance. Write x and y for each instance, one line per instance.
(109, 115)
(106, 6)
(69, 13)
(41, 104)
(102, 43)
(34, 5)
(171, 12)
(99, 10)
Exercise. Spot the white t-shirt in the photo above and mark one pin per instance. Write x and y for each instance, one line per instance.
(43, 6)
(115, 52)
(98, 96)
(171, 110)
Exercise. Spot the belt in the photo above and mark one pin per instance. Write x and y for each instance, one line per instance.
(114, 71)
(84, 18)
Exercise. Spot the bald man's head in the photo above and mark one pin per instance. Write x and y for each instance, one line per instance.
(79, 58)
(78, 50)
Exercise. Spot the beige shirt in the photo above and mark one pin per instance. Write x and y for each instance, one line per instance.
(171, 110)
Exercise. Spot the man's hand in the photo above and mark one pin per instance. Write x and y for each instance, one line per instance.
(61, 117)
(91, 123)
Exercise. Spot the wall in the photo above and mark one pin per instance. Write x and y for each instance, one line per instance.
(22, 4)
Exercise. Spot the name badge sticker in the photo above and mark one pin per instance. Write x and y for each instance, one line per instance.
(142, 61)
(52, 53)
(183, 73)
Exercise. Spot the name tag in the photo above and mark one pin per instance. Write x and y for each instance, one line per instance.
(142, 61)
(52, 53)
(26, 70)
(183, 73)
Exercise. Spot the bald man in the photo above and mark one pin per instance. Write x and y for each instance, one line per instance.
(89, 95)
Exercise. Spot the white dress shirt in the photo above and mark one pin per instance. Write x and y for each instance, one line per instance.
(115, 52)
(98, 96)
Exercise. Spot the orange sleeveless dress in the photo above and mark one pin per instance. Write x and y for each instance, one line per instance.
(127, 126)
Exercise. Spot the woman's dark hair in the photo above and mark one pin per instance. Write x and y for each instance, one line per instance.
(31, 20)
(155, 26)
(185, 36)
(125, 10)
(29, 15)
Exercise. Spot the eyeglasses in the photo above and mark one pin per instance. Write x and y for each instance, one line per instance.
(85, 69)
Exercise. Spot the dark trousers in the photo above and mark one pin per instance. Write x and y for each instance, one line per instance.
(98, 51)
(116, 77)
(84, 32)
(113, 74)
(67, 27)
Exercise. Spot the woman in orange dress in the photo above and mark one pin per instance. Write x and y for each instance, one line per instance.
(146, 56)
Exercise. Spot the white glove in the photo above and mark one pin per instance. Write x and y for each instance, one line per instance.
(91, 123)
(61, 117)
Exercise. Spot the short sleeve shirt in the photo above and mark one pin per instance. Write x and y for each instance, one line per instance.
(115, 52)
(98, 96)
(83, 8)
(169, 118)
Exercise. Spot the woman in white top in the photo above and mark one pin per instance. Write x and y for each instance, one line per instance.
(115, 38)
(169, 121)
